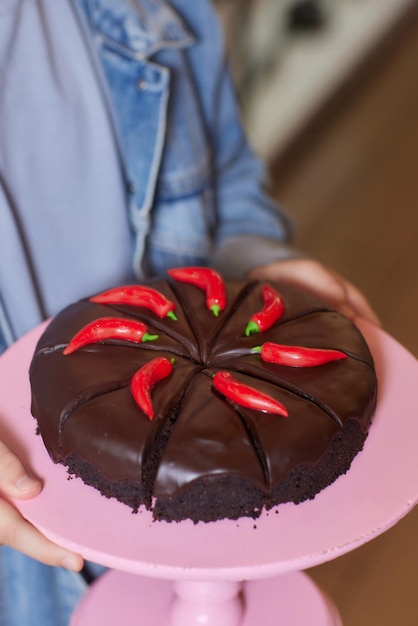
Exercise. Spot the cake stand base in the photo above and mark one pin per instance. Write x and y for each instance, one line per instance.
(131, 600)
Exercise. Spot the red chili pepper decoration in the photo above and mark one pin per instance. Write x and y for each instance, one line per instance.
(246, 396)
(297, 356)
(271, 312)
(138, 295)
(109, 328)
(207, 279)
(144, 380)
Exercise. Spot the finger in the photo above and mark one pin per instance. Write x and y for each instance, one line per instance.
(308, 275)
(15, 480)
(344, 296)
(314, 278)
(361, 306)
(19, 534)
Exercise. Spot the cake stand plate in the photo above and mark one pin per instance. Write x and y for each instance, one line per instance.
(380, 488)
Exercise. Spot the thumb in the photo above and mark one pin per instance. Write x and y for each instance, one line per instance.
(15, 480)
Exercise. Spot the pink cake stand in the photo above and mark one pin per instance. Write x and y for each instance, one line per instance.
(228, 573)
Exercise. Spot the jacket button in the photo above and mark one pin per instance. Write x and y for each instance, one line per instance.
(142, 84)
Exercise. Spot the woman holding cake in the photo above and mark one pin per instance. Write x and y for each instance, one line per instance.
(121, 155)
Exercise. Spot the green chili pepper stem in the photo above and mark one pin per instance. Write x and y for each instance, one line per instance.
(148, 337)
(256, 349)
(252, 327)
(172, 316)
(216, 309)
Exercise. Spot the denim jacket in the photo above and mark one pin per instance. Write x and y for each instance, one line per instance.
(156, 146)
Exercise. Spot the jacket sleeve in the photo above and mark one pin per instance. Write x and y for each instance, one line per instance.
(247, 218)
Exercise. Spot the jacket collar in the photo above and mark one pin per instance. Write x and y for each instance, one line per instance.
(138, 28)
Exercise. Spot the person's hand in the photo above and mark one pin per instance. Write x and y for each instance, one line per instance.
(315, 278)
(15, 531)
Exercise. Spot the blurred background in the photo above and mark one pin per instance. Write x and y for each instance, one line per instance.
(329, 97)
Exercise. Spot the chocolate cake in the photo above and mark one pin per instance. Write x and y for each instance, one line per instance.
(201, 398)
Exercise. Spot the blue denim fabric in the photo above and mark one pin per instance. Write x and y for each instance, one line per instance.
(32, 594)
(6, 335)
(3, 344)
(182, 144)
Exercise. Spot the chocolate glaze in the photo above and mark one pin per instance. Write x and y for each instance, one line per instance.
(199, 443)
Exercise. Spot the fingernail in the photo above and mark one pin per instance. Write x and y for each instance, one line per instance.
(71, 563)
(26, 482)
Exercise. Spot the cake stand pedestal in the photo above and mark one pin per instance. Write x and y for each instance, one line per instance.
(227, 573)
(128, 600)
